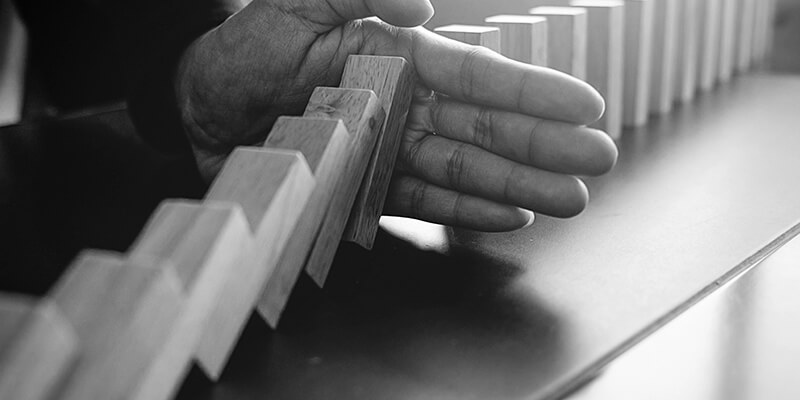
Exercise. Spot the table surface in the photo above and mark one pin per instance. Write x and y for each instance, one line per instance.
(697, 197)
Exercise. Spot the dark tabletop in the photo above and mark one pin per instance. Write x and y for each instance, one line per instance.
(431, 312)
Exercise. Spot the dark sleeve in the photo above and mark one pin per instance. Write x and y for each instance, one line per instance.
(153, 35)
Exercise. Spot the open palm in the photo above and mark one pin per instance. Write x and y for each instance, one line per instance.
(486, 138)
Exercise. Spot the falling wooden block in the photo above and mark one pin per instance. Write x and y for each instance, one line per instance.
(727, 40)
(605, 58)
(486, 36)
(205, 243)
(522, 37)
(744, 52)
(361, 112)
(665, 42)
(638, 53)
(272, 187)
(122, 312)
(566, 38)
(37, 348)
(325, 143)
(710, 22)
(686, 52)
(393, 81)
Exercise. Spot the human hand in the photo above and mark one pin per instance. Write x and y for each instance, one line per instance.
(497, 138)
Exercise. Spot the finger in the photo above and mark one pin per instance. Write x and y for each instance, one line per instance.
(337, 12)
(412, 197)
(480, 76)
(545, 144)
(469, 169)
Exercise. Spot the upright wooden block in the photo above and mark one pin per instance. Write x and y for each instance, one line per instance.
(326, 145)
(605, 58)
(122, 312)
(638, 53)
(393, 81)
(566, 38)
(272, 187)
(522, 37)
(361, 112)
(686, 54)
(727, 41)
(205, 243)
(13, 50)
(37, 348)
(486, 36)
(665, 41)
(744, 51)
(710, 20)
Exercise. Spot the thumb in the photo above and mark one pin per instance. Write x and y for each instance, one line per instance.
(406, 13)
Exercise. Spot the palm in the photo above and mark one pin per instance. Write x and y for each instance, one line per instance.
(498, 143)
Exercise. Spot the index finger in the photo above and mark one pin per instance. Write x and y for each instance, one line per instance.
(480, 76)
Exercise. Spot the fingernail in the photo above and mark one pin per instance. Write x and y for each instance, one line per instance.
(531, 218)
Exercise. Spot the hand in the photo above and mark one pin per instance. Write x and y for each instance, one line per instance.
(486, 139)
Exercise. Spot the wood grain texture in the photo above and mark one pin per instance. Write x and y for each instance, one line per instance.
(639, 16)
(522, 37)
(566, 38)
(486, 36)
(686, 52)
(205, 243)
(393, 81)
(122, 311)
(727, 41)
(37, 348)
(665, 46)
(325, 143)
(744, 51)
(362, 115)
(605, 58)
(272, 187)
(710, 21)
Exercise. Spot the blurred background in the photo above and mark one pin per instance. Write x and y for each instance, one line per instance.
(45, 75)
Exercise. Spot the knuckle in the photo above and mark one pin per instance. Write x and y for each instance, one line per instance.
(482, 128)
(455, 165)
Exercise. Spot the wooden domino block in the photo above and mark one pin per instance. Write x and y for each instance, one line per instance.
(361, 112)
(605, 58)
(393, 81)
(727, 40)
(686, 52)
(37, 348)
(205, 243)
(665, 41)
(522, 37)
(122, 312)
(486, 36)
(272, 187)
(710, 22)
(638, 53)
(325, 143)
(744, 52)
(566, 38)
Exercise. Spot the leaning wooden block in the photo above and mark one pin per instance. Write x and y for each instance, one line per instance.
(205, 243)
(744, 50)
(486, 36)
(393, 81)
(37, 348)
(605, 58)
(727, 41)
(361, 112)
(272, 186)
(638, 50)
(522, 37)
(566, 38)
(122, 311)
(710, 23)
(665, 35)
(325, 143)
(686, 51)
